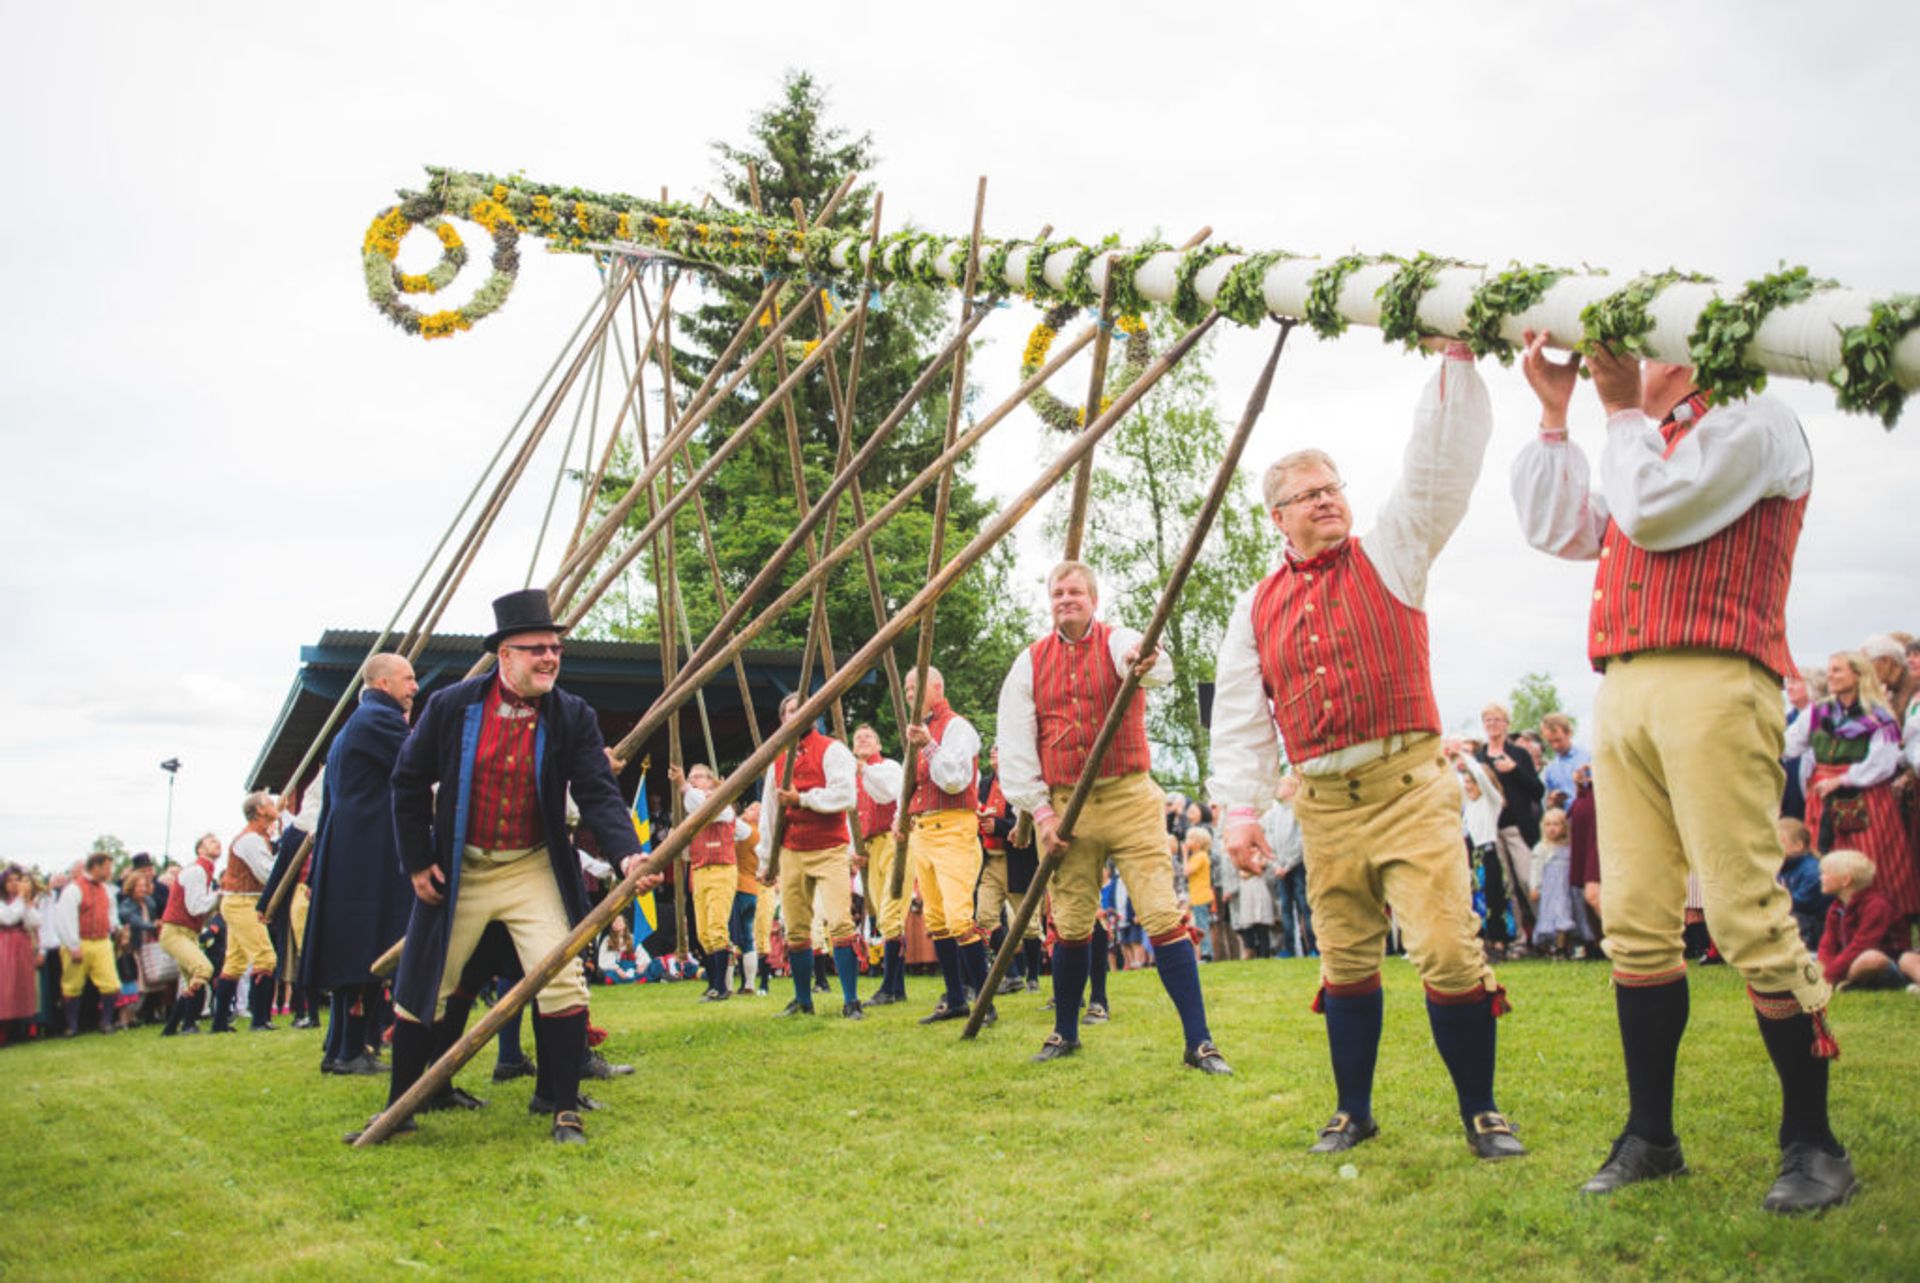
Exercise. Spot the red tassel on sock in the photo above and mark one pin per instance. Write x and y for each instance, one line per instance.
(1320, 1001)
(1825, 1045)
(1500, 1004)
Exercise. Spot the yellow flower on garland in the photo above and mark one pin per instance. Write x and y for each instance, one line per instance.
(581, 216)
(662, 229)
(411, 283)
(491, 213)
(448, 236)
(499, 191)
(440, 325)
(383, 235)
(1038, 344)
(543, 209)
(623, 228)
(704, 232)
(1132, 323)
(808, 348)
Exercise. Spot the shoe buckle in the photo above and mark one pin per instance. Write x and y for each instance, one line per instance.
(1489, 1124)
(1340, 1122)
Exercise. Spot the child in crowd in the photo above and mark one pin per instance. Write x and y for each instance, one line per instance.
(617, 965)
(1866, 944)
(1551, 890)
(1199, 871)
(1800, 875)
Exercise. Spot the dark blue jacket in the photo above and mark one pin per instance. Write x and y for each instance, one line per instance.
(431, 829)
(361, 895)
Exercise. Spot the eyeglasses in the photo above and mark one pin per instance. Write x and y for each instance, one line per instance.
(555, 649)
(1314, 495)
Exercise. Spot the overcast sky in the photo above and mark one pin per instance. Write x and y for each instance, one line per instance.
(215, 448)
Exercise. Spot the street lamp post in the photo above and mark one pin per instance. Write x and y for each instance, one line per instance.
(172, 767)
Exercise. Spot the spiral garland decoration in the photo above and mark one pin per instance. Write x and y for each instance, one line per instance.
(1058, 414)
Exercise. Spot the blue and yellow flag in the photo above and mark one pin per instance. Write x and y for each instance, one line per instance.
(646, 914)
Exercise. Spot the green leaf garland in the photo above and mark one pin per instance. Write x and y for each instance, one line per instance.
(1243, 293)
(1719, 342)
(1186, 299)
(1620, 320)
(1323, 294)
(1400, 299)
(1499, 297)
(1865, 381)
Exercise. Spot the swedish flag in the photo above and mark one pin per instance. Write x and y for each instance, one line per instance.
(646, 914)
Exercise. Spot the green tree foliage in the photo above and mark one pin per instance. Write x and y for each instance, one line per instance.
(1151, 477)
(1534, 696)
(796, 153)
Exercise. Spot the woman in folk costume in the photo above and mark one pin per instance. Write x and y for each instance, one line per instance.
(19, 930)
(1856, 751)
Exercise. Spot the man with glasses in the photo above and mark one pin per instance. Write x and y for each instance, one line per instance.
(504, 750)
(1332, 648)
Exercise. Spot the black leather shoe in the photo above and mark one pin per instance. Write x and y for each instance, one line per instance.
(451, 1097)
(1491, 1137)
(362, 1066)
(516, 1069)
(406, 1128)
(596, 1066)
(715, 995)
(328, 1066)
(942, 1011)
(1633, 1160)
(1055, 1048)
(1342, 1132)
(1811, 1180)
(264, 1027)
(882, 999)
(1096, 1014)
(568, 1129)
(796, 1008)
(852, 1011)
(306, 1022)
(1208, 1060)
(538, 1104)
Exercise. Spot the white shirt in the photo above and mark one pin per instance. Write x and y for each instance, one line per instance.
(1480, 816)
(255, 852)
(1881, 761)
(1909, 734)
(1020, 779)
(837, 794)
(48, 906)
(1284, 838)
(882, 780)
(66, 914)
(308, 819)
(1735, 456)
(19, 912)
(1451, 426)
(952, 760)
(195, 888)
(693, 799)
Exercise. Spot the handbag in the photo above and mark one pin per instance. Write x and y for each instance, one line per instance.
(156, 967)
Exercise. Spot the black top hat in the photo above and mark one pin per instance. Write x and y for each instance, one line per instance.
(142, 861)
(526, 611)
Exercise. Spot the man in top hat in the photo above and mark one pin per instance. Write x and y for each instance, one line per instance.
(1052, 704)
(813, 858)
(1693, 527)
(878, 789)
(1331, 650)
(491, 845)
(946, 843)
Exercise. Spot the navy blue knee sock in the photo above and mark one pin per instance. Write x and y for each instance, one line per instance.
(1464, 1033)
(1069, 984)
(848, 968)
(973, 966)
(1353, 1040)
(1653, 1019)
(1097, 965)
(948, 952)
(893, 968)
(1179, 965)
(506, 1047)
(802, 961)
(1791, 1043)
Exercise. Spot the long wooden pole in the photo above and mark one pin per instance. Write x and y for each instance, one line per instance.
(1149, 642)
(923, 657)
(537, 977)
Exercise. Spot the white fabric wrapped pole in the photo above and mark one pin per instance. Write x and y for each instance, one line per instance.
(1799, 340)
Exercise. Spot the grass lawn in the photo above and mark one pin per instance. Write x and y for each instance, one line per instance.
(748, 1146)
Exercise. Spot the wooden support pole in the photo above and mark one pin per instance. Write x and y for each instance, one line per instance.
(1096, 392)
(441, 1072)
(1149, 642)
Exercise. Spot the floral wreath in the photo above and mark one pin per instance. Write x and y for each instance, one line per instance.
(1058, 414)
(386, 283)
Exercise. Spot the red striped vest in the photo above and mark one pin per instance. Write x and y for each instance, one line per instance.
(811, 830)
(1728, 592)
(96, 921)
(1343, 660)
(176, 910)
(1074, 684)
(713, 844)
(875, 819)
(994, 807)
(238, 879)
(927, 796)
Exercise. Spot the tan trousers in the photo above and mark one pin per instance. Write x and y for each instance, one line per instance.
(297, 916)
(1388, 835)
(96, 964)
(890, 911)
(993, 898)
(767, 901)
(946, 859)
(183, 946)
(828, 872)
(1124, 820)
(1686, 774)
(522, 894)
(248, 946)
(713, 887)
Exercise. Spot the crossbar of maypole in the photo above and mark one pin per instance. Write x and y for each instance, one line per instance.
(441, 1072)
(1130, 684)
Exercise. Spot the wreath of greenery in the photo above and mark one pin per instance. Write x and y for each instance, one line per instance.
(1186, 299)
(1400, 298)
(1719, 342)
(1323, 294)
(1620, 320)
(387, 284)
(1243, 292)
(1499, 297)
(1058, 414)
(1865, 379)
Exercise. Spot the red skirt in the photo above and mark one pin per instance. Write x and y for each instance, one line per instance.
(1874, 829)
(18, 997)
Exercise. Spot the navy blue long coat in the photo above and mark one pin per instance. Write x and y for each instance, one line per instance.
(361, 895)
(568, 753)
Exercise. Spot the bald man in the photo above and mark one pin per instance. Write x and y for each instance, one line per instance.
(945, 824)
